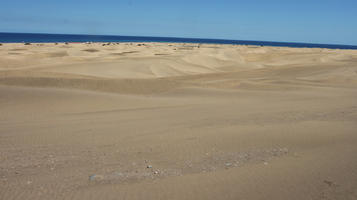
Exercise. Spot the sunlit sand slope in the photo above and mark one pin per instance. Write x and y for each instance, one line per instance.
(177, 121)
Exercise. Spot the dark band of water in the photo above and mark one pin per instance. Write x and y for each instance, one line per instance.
(48, 38)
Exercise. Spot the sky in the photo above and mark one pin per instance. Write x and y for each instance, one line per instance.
(311, 21)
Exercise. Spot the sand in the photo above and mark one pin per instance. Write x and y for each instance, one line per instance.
(177, 121)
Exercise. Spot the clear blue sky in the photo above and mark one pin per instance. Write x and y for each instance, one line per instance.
(314, 21)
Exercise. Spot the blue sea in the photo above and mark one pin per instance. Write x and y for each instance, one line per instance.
(48, 38)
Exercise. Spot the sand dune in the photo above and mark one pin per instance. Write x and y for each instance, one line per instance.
(177, 121)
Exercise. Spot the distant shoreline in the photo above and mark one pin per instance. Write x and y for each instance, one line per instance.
(73, 38)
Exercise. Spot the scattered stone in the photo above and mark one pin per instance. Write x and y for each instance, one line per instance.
(95, 177)
(0, 44)
(119, 174)
(149, 166)
(29, 182)
(228, 164)
(66, 43)
(329, 183)
(56, 43)
(156, 172)
(27, 43)
(284, 150)
(266, 163)
(92, 177)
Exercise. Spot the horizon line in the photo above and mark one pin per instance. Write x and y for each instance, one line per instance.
(179, 37)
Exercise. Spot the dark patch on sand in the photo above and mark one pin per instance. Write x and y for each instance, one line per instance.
(185, 48)
(124, 53)
(18, 49)
(91, 50)
(58, 54)
(14, 53)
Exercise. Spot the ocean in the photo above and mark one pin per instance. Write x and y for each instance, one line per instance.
(49, 38)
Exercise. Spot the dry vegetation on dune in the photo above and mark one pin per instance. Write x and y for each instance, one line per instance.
(177, 121)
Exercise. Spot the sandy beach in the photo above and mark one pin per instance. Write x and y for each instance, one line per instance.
(177, 121)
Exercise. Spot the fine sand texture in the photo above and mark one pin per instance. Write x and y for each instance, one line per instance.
(177, 121)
